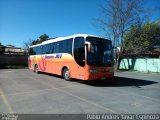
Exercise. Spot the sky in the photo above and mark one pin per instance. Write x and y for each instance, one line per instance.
(25, 20)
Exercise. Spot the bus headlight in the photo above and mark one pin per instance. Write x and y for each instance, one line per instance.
(92, 71)
(111, 70)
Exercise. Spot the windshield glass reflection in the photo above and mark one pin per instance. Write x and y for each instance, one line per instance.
(101, 52)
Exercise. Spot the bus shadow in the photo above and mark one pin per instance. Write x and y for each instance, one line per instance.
(116, 82)
(50, 74)
(120, 82)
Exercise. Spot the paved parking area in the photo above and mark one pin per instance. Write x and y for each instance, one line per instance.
(23, 91)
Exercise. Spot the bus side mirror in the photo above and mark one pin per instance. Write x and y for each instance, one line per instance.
(89, 46)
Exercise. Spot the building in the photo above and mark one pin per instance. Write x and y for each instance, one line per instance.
(10, 49)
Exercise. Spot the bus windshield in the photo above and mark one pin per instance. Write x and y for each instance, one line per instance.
(101, 52)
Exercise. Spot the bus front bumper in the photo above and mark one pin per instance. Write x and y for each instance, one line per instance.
(100, 76)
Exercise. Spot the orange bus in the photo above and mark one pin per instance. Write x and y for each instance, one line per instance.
(80, 56)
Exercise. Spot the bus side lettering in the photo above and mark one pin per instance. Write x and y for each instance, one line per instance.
(58, 56)
(53, 56)
(48, 57)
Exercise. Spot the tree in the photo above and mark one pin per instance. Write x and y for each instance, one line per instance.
(42, 38)
(118, 17)
(27, 44)
(145, 40)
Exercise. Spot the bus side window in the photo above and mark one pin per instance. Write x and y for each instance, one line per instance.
(47, 49)
(43, 49)
(35, 51)
(51, 47)
(69, 44)
(65, 46)
(56, 47)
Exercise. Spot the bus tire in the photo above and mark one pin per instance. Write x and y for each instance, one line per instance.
(36, 69)
(66, 74)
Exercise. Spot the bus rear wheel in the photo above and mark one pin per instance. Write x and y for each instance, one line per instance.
(66, 74)
(36, 68)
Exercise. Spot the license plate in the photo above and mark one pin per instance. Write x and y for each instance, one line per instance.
(103, 78)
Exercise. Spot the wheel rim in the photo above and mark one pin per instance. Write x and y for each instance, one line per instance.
(36, 68)
(66, 74)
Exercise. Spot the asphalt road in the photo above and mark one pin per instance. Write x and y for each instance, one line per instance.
(23, 91)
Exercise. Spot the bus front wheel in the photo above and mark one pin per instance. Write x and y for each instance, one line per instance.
(66, 74)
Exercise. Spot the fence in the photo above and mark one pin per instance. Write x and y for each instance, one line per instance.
(141, 64)
(13, 60)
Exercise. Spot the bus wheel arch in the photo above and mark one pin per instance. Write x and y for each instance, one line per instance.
(66, 73)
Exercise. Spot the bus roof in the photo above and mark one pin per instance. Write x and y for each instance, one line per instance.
(65, 38)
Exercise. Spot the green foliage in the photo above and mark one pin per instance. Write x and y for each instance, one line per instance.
(42, 38)
(146, 37)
